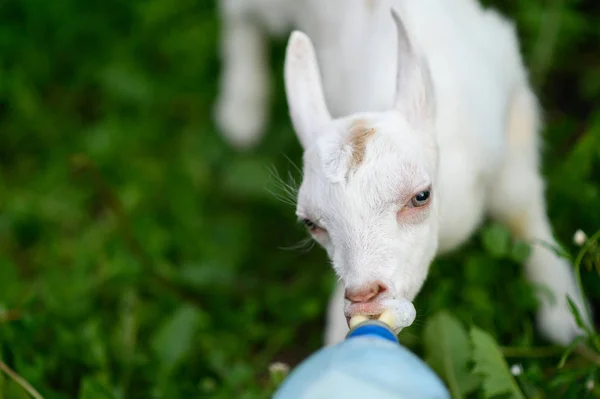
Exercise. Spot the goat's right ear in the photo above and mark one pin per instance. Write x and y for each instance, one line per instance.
(304, 92)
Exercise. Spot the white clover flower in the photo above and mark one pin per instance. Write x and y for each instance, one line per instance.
(589, 384)
(279, 367)
(579, 238)
(516, 369)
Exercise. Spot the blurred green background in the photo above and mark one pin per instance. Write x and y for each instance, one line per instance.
(141, 257)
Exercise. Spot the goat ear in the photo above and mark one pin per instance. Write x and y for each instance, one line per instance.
(414, 89)
(306, 101)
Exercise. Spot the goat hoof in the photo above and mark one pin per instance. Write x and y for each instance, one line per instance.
(557, 324)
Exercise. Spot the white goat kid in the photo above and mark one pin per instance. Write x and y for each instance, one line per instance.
(434, 126)
(385, 191)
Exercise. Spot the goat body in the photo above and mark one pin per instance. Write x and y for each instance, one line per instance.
(429, 101)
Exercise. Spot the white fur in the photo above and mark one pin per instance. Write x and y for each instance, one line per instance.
(242, 107)
(448, 95)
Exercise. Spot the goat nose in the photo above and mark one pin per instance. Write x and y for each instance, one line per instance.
(365, 293)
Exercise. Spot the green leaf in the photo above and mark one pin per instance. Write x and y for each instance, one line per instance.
(568, 351)
(174, 338)
(577, 314)
(490, 364)
(520, 251)
(447, 351)
(496, 240)
(94, 387)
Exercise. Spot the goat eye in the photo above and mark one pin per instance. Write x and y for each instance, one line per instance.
(421, 199)
(313, 227)
(310, 225)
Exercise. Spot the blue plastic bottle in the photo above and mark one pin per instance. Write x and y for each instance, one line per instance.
(370, 363)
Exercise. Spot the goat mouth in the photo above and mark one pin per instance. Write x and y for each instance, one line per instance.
(385, 317)
(370, 309)
(353, 321)
(358, 312)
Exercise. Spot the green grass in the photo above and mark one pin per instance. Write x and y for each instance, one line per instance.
(141, 257)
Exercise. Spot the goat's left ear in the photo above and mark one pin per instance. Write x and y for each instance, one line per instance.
(304, 92)
(414, 88)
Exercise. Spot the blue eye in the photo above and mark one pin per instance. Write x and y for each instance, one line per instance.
(421, 199)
